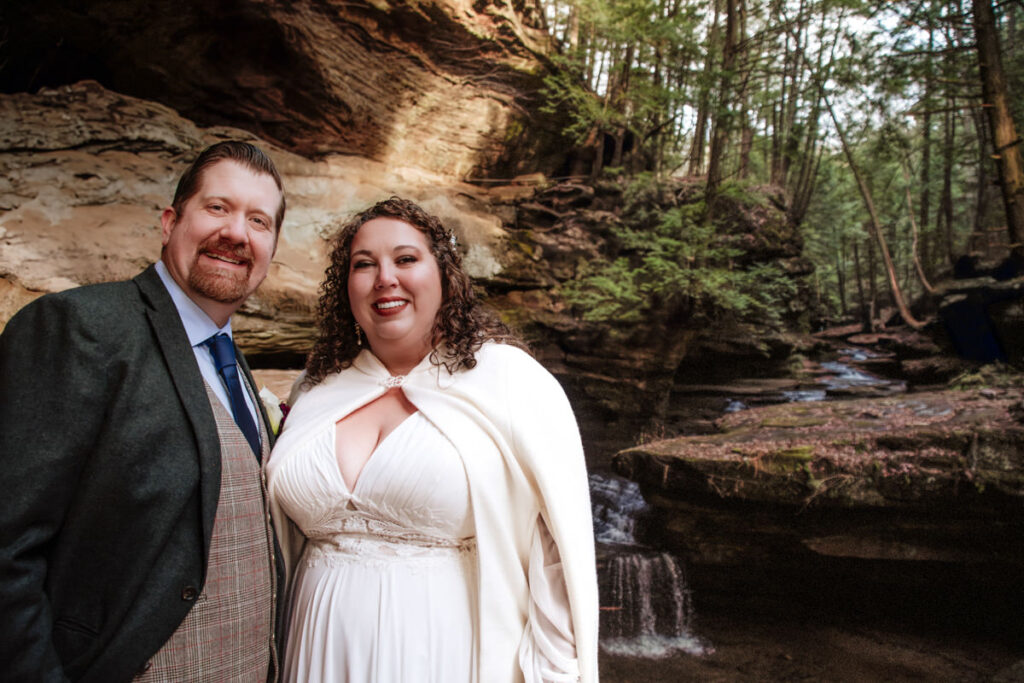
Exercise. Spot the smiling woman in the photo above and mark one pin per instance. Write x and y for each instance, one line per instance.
(394, 288)
(461, 324)
(436, 476)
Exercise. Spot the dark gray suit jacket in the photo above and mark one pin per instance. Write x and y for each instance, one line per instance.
(111, 473)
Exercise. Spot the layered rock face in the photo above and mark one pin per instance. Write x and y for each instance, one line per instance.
(447, 86)
(916, 497)
(86, 171)
(355, 102)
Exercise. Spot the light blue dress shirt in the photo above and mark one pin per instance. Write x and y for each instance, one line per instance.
(199, 327)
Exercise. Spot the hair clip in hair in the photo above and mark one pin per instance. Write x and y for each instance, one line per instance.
(451, 239)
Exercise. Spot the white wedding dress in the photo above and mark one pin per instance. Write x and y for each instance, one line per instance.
(385, 588)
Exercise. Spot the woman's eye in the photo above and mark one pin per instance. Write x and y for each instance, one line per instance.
(356, 265)
(405, 259)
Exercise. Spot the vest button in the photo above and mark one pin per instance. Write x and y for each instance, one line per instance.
(189, 593)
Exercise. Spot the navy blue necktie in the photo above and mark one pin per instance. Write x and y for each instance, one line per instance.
(223, 351)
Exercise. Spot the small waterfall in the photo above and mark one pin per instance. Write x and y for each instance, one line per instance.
(846, 376)
(646, 607)
(616, 505)
(646, 604)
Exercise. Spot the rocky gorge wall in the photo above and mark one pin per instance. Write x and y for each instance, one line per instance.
(446, 86)
(906, 505)
(85, 171)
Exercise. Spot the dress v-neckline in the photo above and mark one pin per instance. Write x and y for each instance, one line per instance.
(351, 490)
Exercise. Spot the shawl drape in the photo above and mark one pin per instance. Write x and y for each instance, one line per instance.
(513, 426)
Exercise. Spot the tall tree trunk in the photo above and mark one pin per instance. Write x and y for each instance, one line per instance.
(983, 180)
(746, 131)
(789, 133)
(875, 225)
(620, 103)
(859, 275)
(926, 152)
(841, 274)
(914, 233)
(955, 42)
(865, 319)
(802, 186)
(872, 281)
(944, 219)
(572, 29)
(722, 123)
(591, 54)
(704, 101)
(1004, 133)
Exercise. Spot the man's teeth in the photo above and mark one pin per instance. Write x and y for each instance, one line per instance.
(390, 304)
(224, 258)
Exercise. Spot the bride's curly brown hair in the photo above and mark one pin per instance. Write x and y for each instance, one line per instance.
(462, 323)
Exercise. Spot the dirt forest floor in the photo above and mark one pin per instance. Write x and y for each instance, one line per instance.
(758, 648)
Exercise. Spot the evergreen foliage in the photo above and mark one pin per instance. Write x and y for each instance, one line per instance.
(665, 260)
(734, 93)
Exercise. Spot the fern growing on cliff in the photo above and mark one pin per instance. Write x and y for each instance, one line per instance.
(670, 262)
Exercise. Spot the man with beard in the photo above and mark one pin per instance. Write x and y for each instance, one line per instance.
(134, 535)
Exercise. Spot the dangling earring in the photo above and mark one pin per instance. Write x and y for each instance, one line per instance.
(359, 335)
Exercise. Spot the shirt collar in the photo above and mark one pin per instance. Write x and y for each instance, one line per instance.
(198, 326)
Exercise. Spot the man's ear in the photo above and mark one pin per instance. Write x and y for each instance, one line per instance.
(168, 219)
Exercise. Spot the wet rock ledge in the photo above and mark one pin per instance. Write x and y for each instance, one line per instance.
(909, 497)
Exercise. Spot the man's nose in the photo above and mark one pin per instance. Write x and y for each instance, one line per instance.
(235, 228)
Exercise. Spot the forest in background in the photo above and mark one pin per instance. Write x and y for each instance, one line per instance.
(889, 129)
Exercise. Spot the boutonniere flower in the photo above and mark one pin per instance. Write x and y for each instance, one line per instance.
(276, 409)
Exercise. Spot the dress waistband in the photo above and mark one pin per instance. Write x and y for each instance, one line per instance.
(358, 538)
(363, 549)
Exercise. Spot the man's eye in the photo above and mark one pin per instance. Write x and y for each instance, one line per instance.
(262, 222)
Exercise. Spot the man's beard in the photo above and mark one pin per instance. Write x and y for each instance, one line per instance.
(219, 284)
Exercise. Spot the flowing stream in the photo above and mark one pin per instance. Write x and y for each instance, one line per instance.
(646, 603)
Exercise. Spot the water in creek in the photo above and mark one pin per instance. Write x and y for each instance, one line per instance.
(838, 379)
(646, 605)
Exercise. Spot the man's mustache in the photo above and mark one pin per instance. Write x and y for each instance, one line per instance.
(222, 247)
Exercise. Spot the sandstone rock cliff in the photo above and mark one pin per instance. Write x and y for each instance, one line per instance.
(86, 172)
(444, 85)
(914, 496)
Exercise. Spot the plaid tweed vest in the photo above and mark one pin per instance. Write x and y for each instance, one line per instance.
(228, 635)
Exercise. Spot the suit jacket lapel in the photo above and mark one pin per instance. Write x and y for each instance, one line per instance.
(188, 381)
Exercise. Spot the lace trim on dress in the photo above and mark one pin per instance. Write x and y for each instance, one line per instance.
(360, 539)
(367, 550)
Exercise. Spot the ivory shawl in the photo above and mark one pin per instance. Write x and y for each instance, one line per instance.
(511, 423)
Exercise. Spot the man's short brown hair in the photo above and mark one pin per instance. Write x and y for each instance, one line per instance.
(248, 155)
